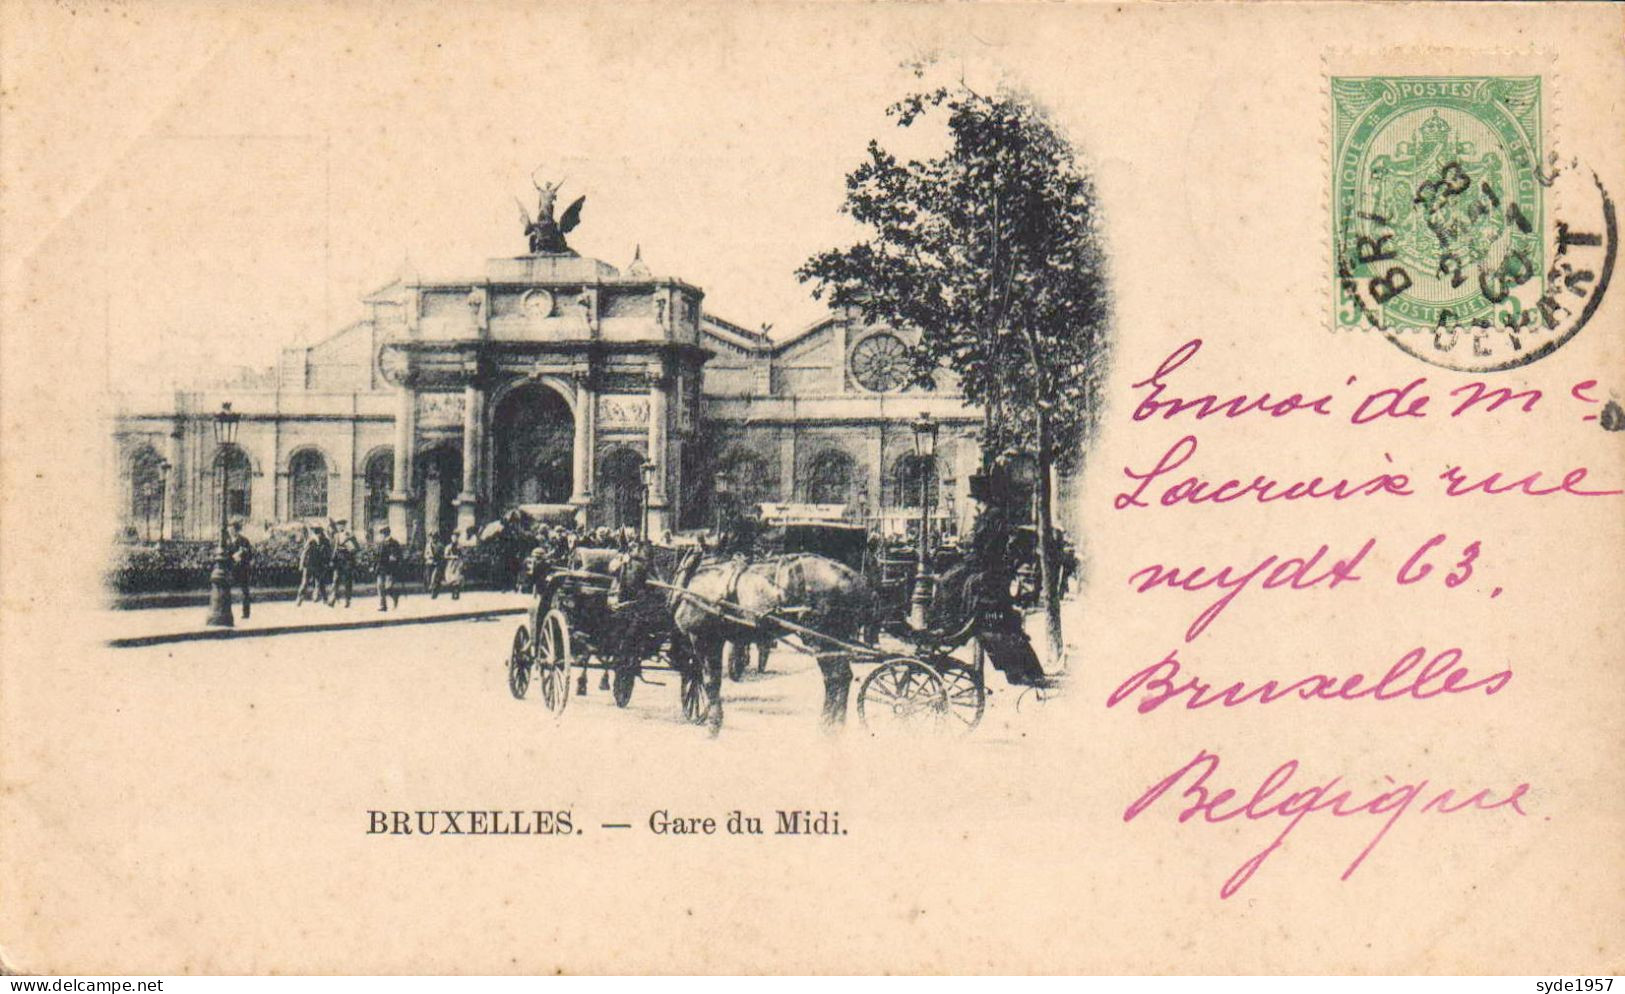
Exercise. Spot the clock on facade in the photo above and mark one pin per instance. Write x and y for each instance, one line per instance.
(880, 363)
(537, 304)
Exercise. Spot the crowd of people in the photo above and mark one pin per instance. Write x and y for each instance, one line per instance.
(976, 580)
(329, 562)
(330, 559)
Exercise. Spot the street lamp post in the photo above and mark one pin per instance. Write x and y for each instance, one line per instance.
(925, 448)
(225, 435)
(649, 469)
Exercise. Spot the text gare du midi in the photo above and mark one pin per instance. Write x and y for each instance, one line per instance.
(539, 822)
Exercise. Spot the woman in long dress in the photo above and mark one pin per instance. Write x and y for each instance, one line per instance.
(454, 565)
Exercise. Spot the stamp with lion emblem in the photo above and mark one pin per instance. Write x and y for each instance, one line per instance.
(1437, 200)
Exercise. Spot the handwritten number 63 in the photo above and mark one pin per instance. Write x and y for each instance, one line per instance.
(1415, 569)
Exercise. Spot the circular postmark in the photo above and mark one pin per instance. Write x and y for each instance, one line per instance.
(1542, 312)
(1443, 232)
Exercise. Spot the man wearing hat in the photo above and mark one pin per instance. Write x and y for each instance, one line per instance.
(390, 559)
(241, 553)
(985, 552)
(981, 589)
(345, 550)
(434, 564)
(315, 565)
(637, 607)
(989, 545)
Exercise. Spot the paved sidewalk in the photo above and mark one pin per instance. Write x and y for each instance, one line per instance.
(155, 626)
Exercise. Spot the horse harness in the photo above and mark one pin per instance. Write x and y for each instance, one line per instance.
(738, 566)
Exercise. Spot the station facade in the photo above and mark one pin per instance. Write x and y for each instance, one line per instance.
(545, 385)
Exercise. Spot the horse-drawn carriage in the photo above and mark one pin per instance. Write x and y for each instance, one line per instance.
(810, 600)
(572, 628)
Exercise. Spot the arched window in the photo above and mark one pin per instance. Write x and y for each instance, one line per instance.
(910, 473)
(307, 481)
(749, 480)
(233, 471)
(147, 492)
(620, 482)
(380, 477)
(829, 478)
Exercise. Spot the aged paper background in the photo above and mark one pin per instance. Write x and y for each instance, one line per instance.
(186, 815)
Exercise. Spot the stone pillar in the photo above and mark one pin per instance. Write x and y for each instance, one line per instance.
(581, 461)
(175, 482)
(589, 455)
(400, 493)
(433, 491)
(473, 448)
(659, 509)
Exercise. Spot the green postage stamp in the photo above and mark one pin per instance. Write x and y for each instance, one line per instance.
(1437, 205)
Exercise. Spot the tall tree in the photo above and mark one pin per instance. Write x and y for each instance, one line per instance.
(991, 251)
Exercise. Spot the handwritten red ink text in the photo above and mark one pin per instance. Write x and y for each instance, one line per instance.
(1261, 489)
(1271, 800)
(1294, 573)
(1443, 674)
(1209, 405)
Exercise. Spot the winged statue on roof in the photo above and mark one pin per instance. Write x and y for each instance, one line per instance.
(544, 233)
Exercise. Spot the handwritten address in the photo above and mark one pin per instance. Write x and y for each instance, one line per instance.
(1197, 790)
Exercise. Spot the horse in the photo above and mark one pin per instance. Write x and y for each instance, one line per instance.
(813, 591)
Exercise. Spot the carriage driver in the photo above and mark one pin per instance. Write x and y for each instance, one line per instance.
(636, 607)
(985, 601)
(986, 553)
(630, 590)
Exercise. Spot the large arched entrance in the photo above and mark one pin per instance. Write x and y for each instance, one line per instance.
(533, 431)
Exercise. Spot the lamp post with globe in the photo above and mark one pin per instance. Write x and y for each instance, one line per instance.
(925, 450)
(225, 436)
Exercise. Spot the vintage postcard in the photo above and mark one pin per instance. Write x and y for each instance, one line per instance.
(812, 488)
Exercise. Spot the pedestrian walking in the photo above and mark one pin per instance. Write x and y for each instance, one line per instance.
(434, 562)
(345, 551)
(315, 566)
(240, 552)
(455, 555)
(391, 557)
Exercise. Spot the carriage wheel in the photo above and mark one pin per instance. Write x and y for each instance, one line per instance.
(966, 696)
(695, 699)
(519, 663)
(902, 695)
(626, 676)
(554, 661)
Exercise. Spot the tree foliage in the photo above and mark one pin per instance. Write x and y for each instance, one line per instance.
(991, 251)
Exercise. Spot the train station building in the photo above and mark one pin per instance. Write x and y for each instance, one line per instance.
(545, 384)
